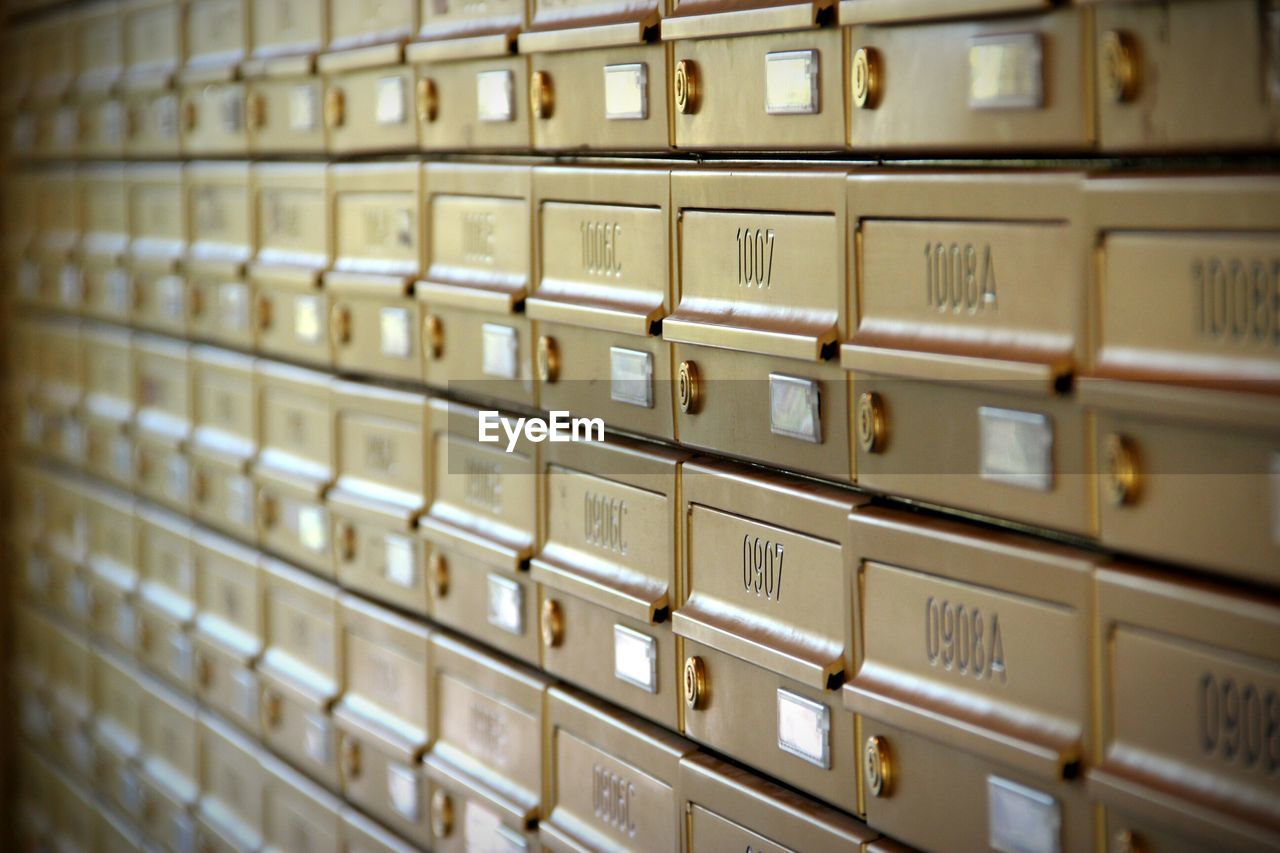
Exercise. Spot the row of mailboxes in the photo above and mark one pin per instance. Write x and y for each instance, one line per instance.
(154, 78)
(880, 660)
(915, 340)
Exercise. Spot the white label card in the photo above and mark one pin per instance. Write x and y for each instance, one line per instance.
(126, 624)
(500, 347)
(389, 100)
(791, 82)
(111, 122)
(1016, 448)
(506, 604)
(313, 528)
(122, 457)
(245, 694)
(795, 408)
(306, 319)
(400, 561)
(180, 656)
(804, 728)
(495, 96)
(1022, 819)
(304, 107)
(177, 478)
(171, 291)
(117, 282)
(635, 658)
(239, 508)
(164, 115)
(403, 788)
(626, 91)
(484, 832)
(315, 738)
(233, 305)
(1006, 72)
(393, 324)
(631, 377)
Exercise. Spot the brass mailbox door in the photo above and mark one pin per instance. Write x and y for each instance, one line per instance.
(158, 226)
(376, 209)
(71, 694)
(224, 441)
(108, 403)
(611, 778)
(471, 96)
(219, 200)
(170, 764)
(97, 33)
(151, 123)
(726, 808)
(104, 217)
(162, 422)
(479, 261)
(603, 285)
(1150, 99)
(60, 394)
(357, 24)
(944, 610)
(102, 128)
(166, 595)
(295, 464)
(299, 814)
(215, 33)
(382, 468)
(1186, 370)
(57, 239)
(765, 652)
(112, 564)
(301, 670)
(368, 110)
(228, 632)
(1010, 82)
(384, 715)
(607, 564)
(214, 115)
(967, 342)
(295, 247)
(116, 729)
(232, 787)
(761, 302)
(767, 90)
(611, 78)
(285, 108)
(486, 761)
(479, 532)
(1188, 673)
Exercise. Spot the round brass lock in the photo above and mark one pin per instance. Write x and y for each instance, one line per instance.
(144, 637)
(1123, 466)
(204, 669)
(428, 98)
(686, 87)
(541, 95)
(876, 766)
(548, 359)
(872, 428)
(350, 757)
(438, 571)
(268, 509)
(695, 683)
(433, 336)
(340, 325)
(335, 107)
(441, 814)
(866, 78)
(272, 709)
(1120, 66)
(689, 387)
(132, 122)
(552, 623)
(190, 116)
(141, 468)
(346, 541)
(263, 310)
(200, 487)
(1128, 841)
(197, 303)
(255, 110)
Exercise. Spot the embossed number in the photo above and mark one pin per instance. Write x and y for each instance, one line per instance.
(762, 567)
(755, 256)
